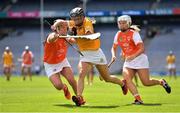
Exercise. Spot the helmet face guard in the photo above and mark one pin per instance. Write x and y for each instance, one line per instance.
(77, 12)
(126, 18)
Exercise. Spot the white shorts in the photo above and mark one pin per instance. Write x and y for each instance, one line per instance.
(7, 66)
(26, 65)
(171, 66)
(140, 62)
(94, 57)
(55, 68)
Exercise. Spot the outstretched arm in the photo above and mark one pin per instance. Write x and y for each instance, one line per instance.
(52, 37)
(113, 52)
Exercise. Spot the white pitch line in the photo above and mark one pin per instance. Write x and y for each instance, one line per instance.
(89, 112)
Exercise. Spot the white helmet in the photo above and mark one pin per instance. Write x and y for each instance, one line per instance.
(26, 47)
(171, 52)
(7, 48)
(126, 18)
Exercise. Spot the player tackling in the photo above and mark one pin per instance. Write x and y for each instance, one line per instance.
(93, 55)
(55, 61)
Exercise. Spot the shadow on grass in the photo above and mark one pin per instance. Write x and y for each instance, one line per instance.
(145, 104)
(86, 106)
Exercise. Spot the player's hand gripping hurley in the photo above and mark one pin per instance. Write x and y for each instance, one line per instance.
(90, 37)
(110, 63)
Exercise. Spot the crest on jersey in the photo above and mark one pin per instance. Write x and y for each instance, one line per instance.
(120, 39)
(54, 70)
(101, 60)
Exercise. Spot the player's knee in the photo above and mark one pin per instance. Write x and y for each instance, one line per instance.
(82, 74)
(58, 86)
(146, 83)
(107, 79)
(72, 81)
(127, 78)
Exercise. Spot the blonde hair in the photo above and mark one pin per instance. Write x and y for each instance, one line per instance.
(60, 22)
(135, 27)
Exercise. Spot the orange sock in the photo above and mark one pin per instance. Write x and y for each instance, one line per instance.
(161, 82)
(137, 97)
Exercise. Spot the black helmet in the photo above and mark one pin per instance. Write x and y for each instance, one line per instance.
(76, 12)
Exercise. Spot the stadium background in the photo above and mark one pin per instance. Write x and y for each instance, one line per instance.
(21, 23)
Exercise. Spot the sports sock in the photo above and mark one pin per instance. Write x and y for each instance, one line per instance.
(137, 97)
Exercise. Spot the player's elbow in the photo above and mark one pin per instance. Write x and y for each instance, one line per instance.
(88, 33)
(113, 49)
(141, 47)
(142, 50)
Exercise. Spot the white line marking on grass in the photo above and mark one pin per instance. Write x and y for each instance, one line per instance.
(89, 112)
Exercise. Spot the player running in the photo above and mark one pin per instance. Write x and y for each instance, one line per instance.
(27, 61)
(7, 59)
(55, 61)
(135, 59)
(93, 55)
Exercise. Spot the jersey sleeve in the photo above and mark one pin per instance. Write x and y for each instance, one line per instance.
(116, 39)
(12, 55)
(137, 38)
(174, 57)
(50, 35)
(3, 55)
(88, 26)
(167, 58)
(22, 55)
(31, 54)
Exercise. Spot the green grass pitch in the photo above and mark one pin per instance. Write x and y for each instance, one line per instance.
(40, 96)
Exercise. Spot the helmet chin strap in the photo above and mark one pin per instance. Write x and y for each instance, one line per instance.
(124, 30)
(79, 25)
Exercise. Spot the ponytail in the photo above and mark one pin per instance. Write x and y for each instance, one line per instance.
(135, 27)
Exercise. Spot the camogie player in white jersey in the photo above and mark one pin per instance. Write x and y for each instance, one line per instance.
(136, 61)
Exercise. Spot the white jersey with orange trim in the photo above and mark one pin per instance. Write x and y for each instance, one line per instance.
(128, 41)
(27, 57)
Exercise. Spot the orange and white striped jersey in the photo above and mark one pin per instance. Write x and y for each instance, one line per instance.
(85, 44)
(128, 41)
(7, 58)
(171, 59)
(27, 57)
(55, 52)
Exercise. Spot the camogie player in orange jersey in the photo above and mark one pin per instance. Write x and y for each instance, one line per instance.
(55, 61)
(136, 60)
(92, 53)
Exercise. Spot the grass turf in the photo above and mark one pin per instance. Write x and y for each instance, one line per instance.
(40, 96)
